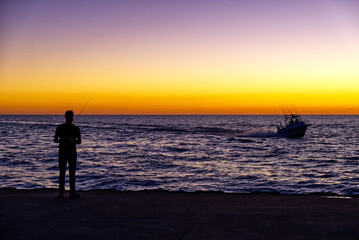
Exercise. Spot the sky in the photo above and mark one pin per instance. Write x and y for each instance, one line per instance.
(179, 57)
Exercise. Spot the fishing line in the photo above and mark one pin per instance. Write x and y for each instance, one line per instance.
(81, 111)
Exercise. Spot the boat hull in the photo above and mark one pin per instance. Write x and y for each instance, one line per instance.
(295, 132)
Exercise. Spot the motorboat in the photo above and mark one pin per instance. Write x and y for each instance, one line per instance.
(294, 127)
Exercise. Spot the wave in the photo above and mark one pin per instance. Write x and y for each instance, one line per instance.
(352, 158)
(177, 149)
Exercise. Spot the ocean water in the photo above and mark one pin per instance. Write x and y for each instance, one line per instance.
(186, 153)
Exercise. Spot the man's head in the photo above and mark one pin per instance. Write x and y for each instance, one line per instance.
(69, 115)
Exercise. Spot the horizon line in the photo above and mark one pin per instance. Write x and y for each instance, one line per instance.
(180, 114)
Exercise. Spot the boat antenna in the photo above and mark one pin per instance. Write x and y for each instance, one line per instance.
(78, 115)
(287, 107)
(283, 109)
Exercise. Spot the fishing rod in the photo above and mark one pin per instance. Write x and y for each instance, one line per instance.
(81, 111)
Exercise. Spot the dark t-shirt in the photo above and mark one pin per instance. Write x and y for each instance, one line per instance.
(68, 135)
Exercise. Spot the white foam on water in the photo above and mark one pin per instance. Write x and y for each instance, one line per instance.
(261, 132)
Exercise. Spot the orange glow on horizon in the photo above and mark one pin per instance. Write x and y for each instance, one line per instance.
(232, 104)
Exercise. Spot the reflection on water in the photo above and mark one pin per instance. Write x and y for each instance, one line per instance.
(186, 153)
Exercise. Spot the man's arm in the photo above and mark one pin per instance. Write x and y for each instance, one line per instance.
(78, 137)
(56, 138)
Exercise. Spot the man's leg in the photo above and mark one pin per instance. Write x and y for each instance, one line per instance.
(62, 168)
(72, 171)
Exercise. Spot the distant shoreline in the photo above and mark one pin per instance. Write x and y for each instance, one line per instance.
(159, 115)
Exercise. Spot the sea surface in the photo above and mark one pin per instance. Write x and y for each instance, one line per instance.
(239, 154)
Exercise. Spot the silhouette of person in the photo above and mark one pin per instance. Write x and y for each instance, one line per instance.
(67, 135)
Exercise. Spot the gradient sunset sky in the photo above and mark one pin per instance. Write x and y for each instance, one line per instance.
(179, 57)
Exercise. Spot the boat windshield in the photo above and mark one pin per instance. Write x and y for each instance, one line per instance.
(294, 119)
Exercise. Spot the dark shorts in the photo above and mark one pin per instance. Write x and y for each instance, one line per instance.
(69, 156)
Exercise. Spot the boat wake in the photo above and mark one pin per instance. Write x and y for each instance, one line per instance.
(261, 132)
